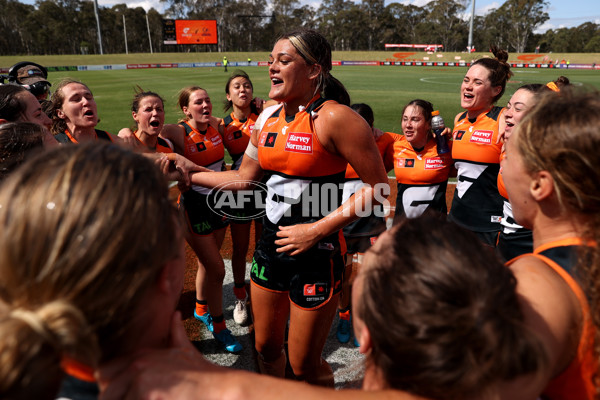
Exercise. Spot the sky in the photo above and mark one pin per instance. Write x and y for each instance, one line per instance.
(563, 13)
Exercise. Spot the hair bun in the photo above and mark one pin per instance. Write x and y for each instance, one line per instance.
(500, 54)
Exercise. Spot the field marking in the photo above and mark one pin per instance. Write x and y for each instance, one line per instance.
(432, 80)
(526, 72)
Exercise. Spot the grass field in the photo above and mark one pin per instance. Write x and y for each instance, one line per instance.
(386, 88)
(50, 60)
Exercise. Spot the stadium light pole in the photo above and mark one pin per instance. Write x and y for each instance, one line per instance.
(470, 44)
(125, 34)
(98, 26)
(149, 37)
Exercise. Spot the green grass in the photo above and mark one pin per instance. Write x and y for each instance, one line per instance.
(385, 88)
(50, 60)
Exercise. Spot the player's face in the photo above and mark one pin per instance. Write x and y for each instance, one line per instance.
(414, 126)
(518, 105)
(476, 91)
(240, 92)
(199, 107)
(33, 111)
(291, 77)
(150, 116)
(517, 181)
(79, 108)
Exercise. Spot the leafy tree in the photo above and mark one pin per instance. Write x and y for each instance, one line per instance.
(593, 46)
(443, 25)
(523, 17)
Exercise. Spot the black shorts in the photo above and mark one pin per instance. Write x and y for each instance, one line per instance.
(362, 233)
(514, 244)
(201, 219)
(311, 278)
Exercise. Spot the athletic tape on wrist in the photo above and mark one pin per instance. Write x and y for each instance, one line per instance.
(252, 151)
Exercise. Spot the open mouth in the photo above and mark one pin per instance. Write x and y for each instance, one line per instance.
(89, 113)
(154, 124)
(276, 81)
(468, 96)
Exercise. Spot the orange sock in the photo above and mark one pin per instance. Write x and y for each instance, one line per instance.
(239, 292)
(345, 315)
(201, 309)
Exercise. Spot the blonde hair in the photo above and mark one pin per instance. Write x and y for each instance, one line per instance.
(315, 50)
(70, 224)
(32, 345)
(184, 98)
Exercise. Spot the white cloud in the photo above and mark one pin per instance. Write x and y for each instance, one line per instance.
(146, 5)
(486, 9)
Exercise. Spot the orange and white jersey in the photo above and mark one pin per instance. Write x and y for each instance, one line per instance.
(203, 148)
(236, 135)
(298, 167)
(422, 177)
(477, 205)
(163, 145)
(384, 145)
(509, 225)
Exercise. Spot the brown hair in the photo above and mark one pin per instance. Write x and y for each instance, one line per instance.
(184, 97)
(425, 106)
(59, 125)
(18, 140)
(315, 49)
(443, 313)
(227, 104)
(12, 105)
(365, 111)
(77, 240)
(139, 95)
(499, 69)
(561, 135)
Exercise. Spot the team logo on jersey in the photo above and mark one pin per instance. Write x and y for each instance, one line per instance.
(458, 135)
(315, 290)
(434, 163)
(299, 142)
(267, 139)
(237, 134)
(200, 146)
(405, 163)
(482, 137)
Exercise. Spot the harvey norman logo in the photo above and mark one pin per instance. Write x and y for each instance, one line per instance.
(482, 137)
(434, 163)
(299, 142)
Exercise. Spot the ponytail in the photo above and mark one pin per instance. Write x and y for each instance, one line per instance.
(333, 89)
(33, 345)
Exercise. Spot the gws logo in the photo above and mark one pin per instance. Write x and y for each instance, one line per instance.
(238, 205)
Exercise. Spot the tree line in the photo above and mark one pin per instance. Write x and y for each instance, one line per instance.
(69, 26)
